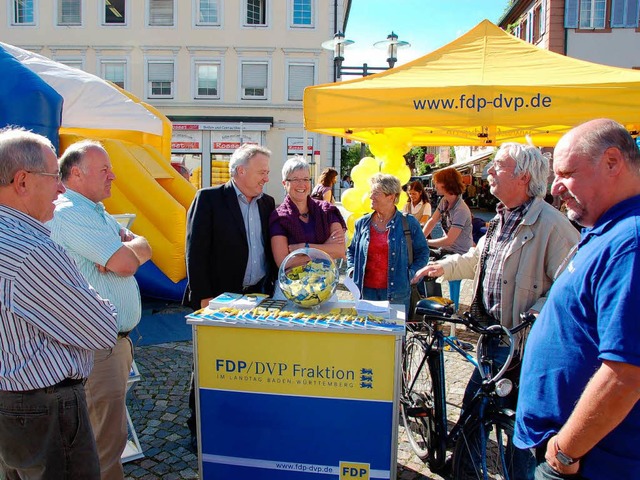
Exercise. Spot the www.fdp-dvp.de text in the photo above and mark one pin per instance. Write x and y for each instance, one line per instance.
(475, 102)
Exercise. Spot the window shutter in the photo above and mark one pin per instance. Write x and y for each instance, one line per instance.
(161, 12)
(543, 17)
(254, 75)
(160, 72)
(632, 13)
(300, 76)
(571, 14)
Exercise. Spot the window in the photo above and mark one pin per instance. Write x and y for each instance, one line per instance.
(23, 12)
(161, 13)
(256, 12)
(208, 12)
(69, 12)
(624, 13)
(70, 62)
(588, 14)
(114, 12)
(300, 76)
(160, 79)
(254, 80)
(115, 71)
(302, 13)
(206, 77)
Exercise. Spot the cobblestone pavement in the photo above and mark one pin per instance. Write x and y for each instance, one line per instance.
(159, 409)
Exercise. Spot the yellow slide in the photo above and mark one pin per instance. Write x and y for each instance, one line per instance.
(148, 186)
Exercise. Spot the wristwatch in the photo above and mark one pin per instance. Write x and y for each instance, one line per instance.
(562, 457)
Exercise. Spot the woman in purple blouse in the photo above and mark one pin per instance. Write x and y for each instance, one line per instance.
(302, 221)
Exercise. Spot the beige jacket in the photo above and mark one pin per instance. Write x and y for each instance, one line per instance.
(539, 246)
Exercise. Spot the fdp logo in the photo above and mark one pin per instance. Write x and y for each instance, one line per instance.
(349, 470)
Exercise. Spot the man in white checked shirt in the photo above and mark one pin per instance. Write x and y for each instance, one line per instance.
(51, 320)
(108, 256)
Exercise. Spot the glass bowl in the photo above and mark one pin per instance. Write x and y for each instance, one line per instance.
(308, 277)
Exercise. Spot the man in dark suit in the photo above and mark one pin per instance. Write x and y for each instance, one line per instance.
(228, 245)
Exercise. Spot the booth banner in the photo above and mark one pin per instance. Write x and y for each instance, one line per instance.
(296, 404)
(228, 142)
(185, 141)
(295, 146)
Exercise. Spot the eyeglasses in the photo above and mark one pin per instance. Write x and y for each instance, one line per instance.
(46, 174)
(297, 180)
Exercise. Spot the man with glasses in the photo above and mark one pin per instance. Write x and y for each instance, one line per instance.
(51, 321)
(515, 263)
(228, 247)
(108, 255)
(578, 404)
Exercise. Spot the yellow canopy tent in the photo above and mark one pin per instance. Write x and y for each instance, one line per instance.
(485, 88)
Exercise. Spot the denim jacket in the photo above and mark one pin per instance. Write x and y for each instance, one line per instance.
(400, 272)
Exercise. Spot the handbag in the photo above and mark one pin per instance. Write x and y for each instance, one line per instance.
(415, 293)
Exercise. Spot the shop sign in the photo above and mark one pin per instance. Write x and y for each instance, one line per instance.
(295, 146)
(228, 142)
(186, 141)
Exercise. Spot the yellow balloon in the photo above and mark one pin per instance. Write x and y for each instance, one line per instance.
(393, 162)
(361, 175)
(403, 199)
(404, 175)
(378, 147)
(351, 221)
(370, 164)
(352, 200)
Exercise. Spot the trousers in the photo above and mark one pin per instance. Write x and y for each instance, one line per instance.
(46, 434)
(106, 391)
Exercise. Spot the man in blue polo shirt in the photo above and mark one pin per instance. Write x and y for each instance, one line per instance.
(580, 380)
(107, 255)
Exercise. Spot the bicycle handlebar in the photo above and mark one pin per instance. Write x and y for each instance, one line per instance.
(443, 310)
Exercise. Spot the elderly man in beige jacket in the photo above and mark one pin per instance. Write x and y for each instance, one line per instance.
(515, 263)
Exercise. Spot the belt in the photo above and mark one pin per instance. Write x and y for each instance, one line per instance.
(124, 334)
(67, 382)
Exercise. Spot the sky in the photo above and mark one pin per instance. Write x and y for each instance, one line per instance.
(425, 24)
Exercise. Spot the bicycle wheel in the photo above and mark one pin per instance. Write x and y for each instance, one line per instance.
(503, 459)
(417, 405)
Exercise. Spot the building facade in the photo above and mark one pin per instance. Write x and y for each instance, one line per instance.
(599, 31)
(224, 71)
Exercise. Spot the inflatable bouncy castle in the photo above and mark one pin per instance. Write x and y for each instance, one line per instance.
(67, 105)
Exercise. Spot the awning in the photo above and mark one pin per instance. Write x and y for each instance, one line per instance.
(470, 162)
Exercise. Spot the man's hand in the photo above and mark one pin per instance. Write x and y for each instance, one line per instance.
(431, 270)
(101, 268)
(550, 457)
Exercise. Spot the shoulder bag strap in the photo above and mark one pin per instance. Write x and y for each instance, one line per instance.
(407, 234)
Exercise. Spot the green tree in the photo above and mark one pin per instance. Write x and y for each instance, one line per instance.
(349, 158)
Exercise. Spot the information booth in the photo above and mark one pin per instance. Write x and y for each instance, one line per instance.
(298, 395)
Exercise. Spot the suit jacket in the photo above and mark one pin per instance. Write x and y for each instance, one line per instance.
(217, 248)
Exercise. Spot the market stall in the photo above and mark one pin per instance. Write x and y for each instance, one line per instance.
(291, 393)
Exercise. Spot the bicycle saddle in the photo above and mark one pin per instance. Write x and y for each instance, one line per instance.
(435, 307)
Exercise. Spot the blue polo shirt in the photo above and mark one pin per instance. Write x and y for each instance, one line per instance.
(591, 315)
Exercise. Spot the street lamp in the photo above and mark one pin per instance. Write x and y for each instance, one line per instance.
(338, 44)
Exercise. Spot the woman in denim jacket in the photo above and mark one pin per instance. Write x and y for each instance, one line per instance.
(378, 254)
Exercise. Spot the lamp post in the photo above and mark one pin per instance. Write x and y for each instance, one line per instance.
(338, 44)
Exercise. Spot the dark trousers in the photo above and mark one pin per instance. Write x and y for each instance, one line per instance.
(46, 434)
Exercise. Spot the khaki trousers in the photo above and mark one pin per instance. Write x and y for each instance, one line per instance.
(106, 390)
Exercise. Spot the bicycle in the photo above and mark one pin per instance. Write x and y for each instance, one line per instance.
(482, 437)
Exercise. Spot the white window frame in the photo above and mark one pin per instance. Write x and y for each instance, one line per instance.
(103, 14)
(11, 5)
(196, 17)
(291, 11)
(267, 14)
(590, 23)
(76, 62)
(58, 14)
(148, 87)
(267, 90)
(301, 63)
(104, 61)
(194, 69)
(148, 15)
